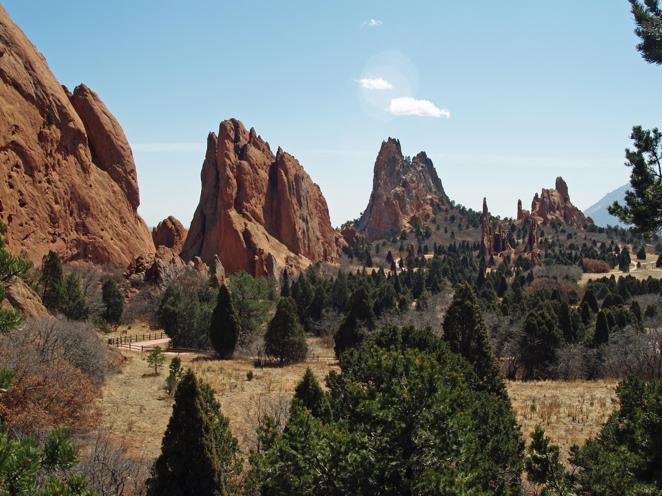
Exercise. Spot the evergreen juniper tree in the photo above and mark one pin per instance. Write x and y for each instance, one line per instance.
(624, 260)
(302, 294)
(635, 309)
(318, 304)
(539, 344)
(73, 304)
(360, 316)
(591, 300)
(408, 418)
(543, 466)
(10, 268)
(252, 298)
(224, 328)
(113, 301)
(465, 332)
(626, 456)
(52, 281)
(310, 394)
(199, 455)
(285, 338)
(285, 286)
(601, 335)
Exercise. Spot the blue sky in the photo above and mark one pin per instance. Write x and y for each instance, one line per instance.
(533, 89)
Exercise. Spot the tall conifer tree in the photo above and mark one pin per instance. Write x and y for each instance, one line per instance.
(465, 332)
(52, 281)
(361, 315)
(225, 328)
(199, 453)
(285, 338)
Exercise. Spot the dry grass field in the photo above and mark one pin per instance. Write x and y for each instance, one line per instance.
(569, 411)
(646, 270)
(135, 406)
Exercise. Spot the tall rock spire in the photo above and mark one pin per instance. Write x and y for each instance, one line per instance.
(401, 190)
(485, 232)
(258, 212)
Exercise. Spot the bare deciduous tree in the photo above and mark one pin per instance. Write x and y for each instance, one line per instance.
(111, 471)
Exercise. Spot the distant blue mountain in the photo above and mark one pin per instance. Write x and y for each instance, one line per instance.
(598, 212)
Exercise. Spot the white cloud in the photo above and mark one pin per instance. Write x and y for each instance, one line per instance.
(168, 147)
(371, 23)
(375, 84)
(407, 105)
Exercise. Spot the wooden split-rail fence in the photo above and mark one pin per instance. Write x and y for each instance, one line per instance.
(127, 341)
(137, 342)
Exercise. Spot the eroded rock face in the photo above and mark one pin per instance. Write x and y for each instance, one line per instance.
(485, 232)
(169, 233)
(401, 190)
(67, 180)
(258, 212)
(109, 147)
(555, 204)
(521, 213)
(533, 238)
(22, 297)
(493, 241)
(158, 268)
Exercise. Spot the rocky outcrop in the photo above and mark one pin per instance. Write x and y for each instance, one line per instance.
(216, 273)
(23, 298)
(109, 147)
(258, 212)
(169, 233)
(492, 241)
(401, 190)
(157, 268)
(533, 237)
(521, 213)
(485, 232)
(67, 179)
(555, 204)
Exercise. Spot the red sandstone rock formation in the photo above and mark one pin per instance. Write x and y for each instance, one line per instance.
(257, 212)
(216, 273)
(23, 298)
(157, 268)
(555, 204)
(492, 242)
(169, 233)
(521, 213)
(110, 148)
(533, 239)
(401, 190)
(67, 177)
(485, 232)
